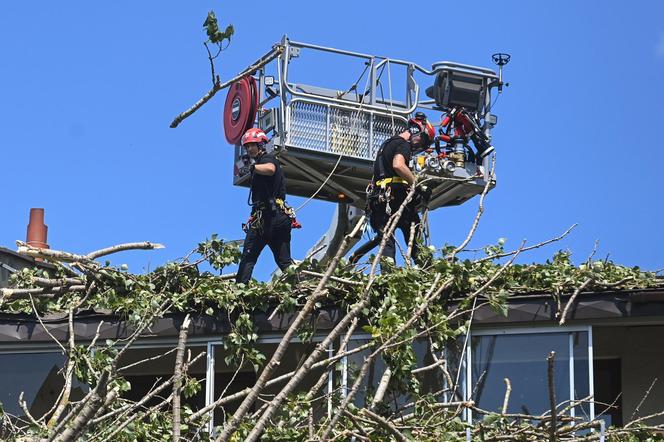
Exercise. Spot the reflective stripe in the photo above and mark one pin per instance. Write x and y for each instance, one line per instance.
(392, 180)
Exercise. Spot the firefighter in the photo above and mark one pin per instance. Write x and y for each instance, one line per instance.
(392, 179)
(270, 220)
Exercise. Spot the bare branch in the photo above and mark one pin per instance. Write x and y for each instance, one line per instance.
(142, 361)
(525, 249)
(145, 245)
(382, 388)
(59, 282)
(385, 424)
(177, 376)
(432, 294)
(240, 394)
(69, 374)
(34, 310)
(324, 376)
(356, 424)
(332, 278)
(552, 395)
(45, 292)
(337, 330)
(92, 406)
(233, 423)
(26, 411)
(478, 215)
(411, 242)
(506, 400)
(128, 408)
(50, 254)
(645, 396)
(276, 51)
(570, 301)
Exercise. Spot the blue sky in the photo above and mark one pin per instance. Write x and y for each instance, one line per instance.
(89, 88)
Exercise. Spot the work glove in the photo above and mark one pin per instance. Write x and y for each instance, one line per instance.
(244, 170)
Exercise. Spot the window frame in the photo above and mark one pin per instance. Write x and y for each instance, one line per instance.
(538, 330)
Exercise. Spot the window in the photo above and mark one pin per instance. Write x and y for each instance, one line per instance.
(608, 384)
(222, 377)
(430, 381)
(150, 366)
(521, 356)
(39, 376)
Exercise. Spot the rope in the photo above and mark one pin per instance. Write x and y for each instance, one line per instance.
(354, 86)
(321, 186)
(354, 125)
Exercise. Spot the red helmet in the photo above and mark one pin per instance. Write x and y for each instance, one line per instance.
(420, 126)
(254, 135)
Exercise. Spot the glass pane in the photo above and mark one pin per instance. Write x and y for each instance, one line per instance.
(457, 369)
(431, 381)
(296, 353)
(157, 367)
(608, 391)
(581, 374)
(38, 376)
(522, 359)
(370, 382)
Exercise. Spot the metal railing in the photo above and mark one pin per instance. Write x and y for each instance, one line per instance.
(339, 129)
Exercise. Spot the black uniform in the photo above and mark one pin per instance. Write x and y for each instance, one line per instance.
(270, 225)
(392, 195)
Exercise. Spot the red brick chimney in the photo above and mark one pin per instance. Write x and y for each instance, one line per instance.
(37, 230)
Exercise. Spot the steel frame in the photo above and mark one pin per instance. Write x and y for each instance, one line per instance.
(290, 95)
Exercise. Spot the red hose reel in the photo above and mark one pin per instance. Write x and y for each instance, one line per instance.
(240, 108)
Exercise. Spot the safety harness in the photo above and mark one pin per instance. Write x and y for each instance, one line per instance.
(255, 220)
(378, 190)
(393, 180)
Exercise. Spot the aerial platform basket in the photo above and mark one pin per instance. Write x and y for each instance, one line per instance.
(327, 139)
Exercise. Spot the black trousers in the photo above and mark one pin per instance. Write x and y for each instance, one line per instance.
(276, 234)
(379, 217)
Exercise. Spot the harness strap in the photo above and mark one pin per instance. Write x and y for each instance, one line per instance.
(392, 180)
(381, 159)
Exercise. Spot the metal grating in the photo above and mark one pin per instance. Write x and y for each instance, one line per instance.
(349, 132)
(328, 128)
(308, 126)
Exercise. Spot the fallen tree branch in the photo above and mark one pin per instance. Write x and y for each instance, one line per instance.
(92, 406)
(382, 388)
(48, 292)
(570, 301)
(233, 423)
(69, 373)
(643, 399)
(525, 249)
(359, 306)
(506, 399)
(385, 424)
(332, 278)
(478, 215)
(50, 254)
(240, 394)
(145, 245)
(552, 396)
(177, 376)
